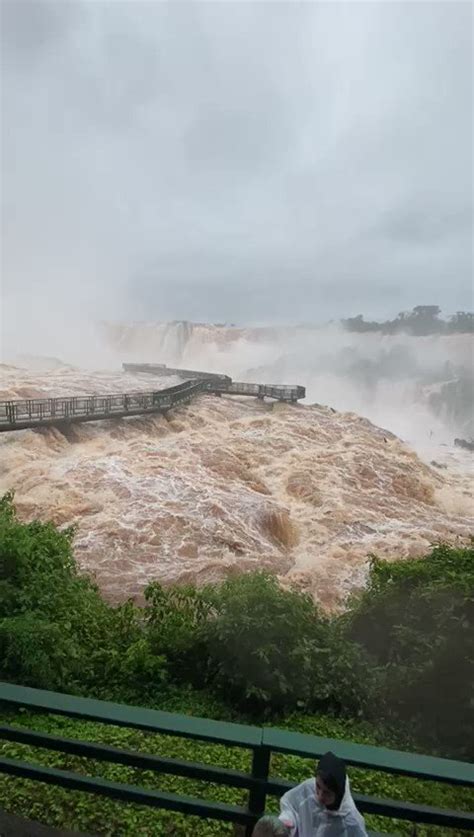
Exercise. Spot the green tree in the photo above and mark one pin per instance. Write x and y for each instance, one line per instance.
(176, 619)
(270, 648)
(56, 631)
(462, 322)
(415, 620)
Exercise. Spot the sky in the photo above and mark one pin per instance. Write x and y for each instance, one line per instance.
(243, 162)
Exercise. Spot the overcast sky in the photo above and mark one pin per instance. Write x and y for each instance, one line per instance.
(243, 162)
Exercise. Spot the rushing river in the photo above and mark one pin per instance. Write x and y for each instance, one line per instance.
(229, 484)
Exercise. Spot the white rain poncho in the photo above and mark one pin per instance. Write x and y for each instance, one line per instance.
(307, 817)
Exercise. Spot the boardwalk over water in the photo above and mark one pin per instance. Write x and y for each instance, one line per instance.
(38, 412)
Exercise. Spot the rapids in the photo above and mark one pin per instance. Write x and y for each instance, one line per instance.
(228, 484)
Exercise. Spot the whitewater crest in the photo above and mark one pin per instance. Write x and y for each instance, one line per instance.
(227, 485)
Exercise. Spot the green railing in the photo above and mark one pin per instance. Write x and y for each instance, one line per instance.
(261, 741)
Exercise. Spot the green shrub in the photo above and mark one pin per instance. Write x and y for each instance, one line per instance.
(271, 649)
(176, 620)
(416, 622)
(56, 631)
(402, 655)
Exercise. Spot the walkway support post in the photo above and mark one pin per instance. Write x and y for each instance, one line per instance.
(258, 794)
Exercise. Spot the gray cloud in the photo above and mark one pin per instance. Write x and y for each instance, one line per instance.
(31, 29)
(420, 224)
(235, 161)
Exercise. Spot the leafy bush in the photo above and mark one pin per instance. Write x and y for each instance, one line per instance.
(126, 667)
(270, 648)
(264, 642)
(56, 631)
(176, 620)
(416, 622)
(402, 655)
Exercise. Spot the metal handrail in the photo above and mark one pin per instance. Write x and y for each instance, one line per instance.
(36, 412)
(262, 741)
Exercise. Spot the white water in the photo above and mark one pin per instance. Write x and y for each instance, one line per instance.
(229, 484)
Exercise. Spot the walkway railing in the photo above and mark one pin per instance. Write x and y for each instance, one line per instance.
(18, 415)
(221, 382)
(280, 392)
(36, 412)
(162, 370)
(261, 741)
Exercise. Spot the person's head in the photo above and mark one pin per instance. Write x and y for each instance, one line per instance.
(270, 827)
(330, 781)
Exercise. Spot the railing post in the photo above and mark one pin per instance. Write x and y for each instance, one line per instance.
(258, 794)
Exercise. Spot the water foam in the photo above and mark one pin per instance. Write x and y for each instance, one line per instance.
(229, 484)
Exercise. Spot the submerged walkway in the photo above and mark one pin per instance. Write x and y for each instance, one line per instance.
(37, 412)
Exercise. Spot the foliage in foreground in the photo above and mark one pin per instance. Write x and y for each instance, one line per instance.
(415, 620)
(402, 655)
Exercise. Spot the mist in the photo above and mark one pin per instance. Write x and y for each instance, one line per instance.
(236, 162)
(397, 381)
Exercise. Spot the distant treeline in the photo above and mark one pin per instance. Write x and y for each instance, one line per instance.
(423, 320)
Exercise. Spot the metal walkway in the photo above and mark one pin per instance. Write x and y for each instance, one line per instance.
(38, 412)
(220, 383)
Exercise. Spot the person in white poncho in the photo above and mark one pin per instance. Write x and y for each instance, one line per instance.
(323, 806)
